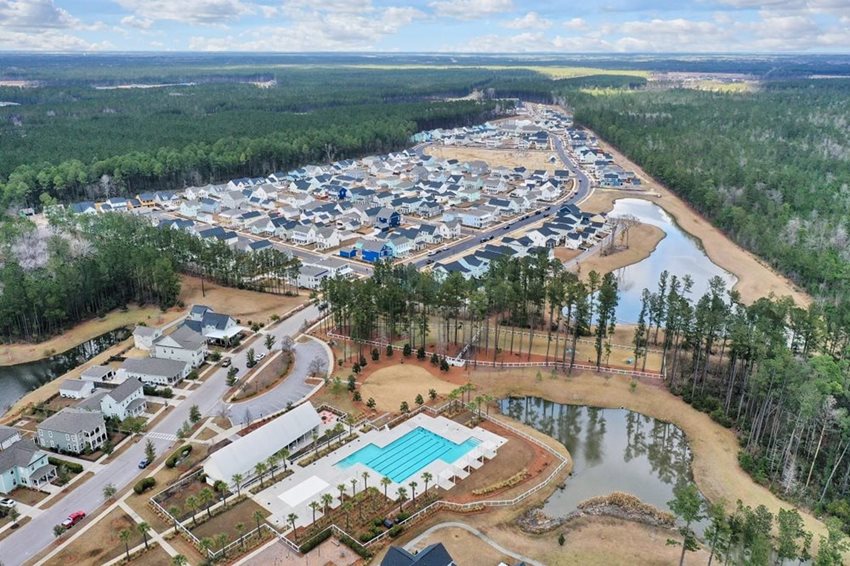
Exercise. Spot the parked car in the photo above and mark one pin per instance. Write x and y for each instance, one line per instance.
(537, 212)
(261, 356)
(388, 523)
(143, 463)
(7, 503)
(433, 252)
(73, 519)
(225, 363)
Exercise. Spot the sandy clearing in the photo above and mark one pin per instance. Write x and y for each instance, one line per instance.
(715, 464)
(643, 239)
(531, 159)
(756, 279)
(391, 385)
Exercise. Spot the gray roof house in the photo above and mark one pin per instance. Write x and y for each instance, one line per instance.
(72, 430)
(24, 464)
(156, 371)
(8, 436)
(126, 400)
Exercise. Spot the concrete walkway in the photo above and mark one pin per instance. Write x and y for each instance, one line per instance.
(411, 546)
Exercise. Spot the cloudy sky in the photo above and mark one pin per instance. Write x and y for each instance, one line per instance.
(566, 26)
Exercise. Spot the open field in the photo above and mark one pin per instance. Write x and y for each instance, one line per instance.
(392, 385)
(755, 278)
(100, 543)
(715, 449)
(553, 72)
(12, 354)
(643, 239)
(464, 547)
(531, 159)
(238, 303)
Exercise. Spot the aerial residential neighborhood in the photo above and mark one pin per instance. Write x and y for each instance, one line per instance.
(467, 283)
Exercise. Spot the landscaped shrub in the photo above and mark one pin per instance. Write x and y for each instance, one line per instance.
(396, 531)
(143, 485)
(72, 467)
(361, 551)
(178, 455)
(315, 541)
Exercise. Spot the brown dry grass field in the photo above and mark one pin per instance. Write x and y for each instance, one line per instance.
(242, 512)
(531, 159)
(100, 543)
(239, 303)
(403, 382)
(643, 239)
(755, 278)
(715, 463)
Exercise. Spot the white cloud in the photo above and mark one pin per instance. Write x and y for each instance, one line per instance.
(137, 22)
(48, 40)
(575, 23)
(470, 9)
(326, 27)
(532, 20)
(204, 12)
(34, 14)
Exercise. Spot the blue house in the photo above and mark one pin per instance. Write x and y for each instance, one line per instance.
(348, 251)
(374, 250)
(387, 218)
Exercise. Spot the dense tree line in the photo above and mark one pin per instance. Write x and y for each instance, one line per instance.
(769, 168)
(778, 373)
(88, 265)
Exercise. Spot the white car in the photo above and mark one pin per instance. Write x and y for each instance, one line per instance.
(261, 356)
(7, 503)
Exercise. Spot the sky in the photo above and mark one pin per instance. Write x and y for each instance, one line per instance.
(474, 26)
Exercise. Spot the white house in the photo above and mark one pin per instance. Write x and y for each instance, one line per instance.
(98, 373)
(76, 389)
(126, 400)
(311, 277)
(144, 336)
(184, 344)
(156, 371)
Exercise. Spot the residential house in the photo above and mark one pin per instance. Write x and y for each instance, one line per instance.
(24, 464)
(76, 388)
(327, 237)
(126, 400)
(184, 344)
(143, 337)
(215, 327)
(72, 430)
(8, 436)
(156, 371)
(233, 199)
(98, 374)
(311, 277)
(190, 208)
(374, 250)
(433, 555)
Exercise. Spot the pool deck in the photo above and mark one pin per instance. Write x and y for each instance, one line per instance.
(294, 494)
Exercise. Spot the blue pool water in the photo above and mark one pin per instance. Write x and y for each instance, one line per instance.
(407, 455)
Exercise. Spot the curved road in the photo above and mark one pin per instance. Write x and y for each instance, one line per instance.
(36, 535)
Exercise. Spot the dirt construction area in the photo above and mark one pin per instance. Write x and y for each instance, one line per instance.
(496, 157)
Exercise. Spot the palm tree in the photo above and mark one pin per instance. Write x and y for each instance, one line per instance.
(258, 516)
(327, 499)
(402, 497)
(179, 560)
(174, 511)
(237, 481)
(240, 529)
(144, 529)
(413, 486)
(315, 437)
(291, 518)
(365, 476)
(353, 482)
(385, 481)
(284, 456)
(314, 506)
(206, 498)
(260, 470)
(221, 488)
(346, 508)
(272, 462)
(206, 545)
(427, 478)
(124, 535)
(221, 542)
(192, 504)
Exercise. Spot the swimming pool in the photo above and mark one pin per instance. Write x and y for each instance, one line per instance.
(407, 455)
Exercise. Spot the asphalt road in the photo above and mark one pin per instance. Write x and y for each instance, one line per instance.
(30, 539)
(582, 191)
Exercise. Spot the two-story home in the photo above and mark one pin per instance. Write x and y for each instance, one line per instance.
(184, 344)
(72, 430)
(144, 336)
(23, 464)
(126, 400)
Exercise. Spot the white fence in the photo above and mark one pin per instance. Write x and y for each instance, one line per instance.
(460, 362)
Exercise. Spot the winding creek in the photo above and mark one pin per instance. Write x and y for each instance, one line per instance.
(679, 253)
(612, 450)
(18, 380)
